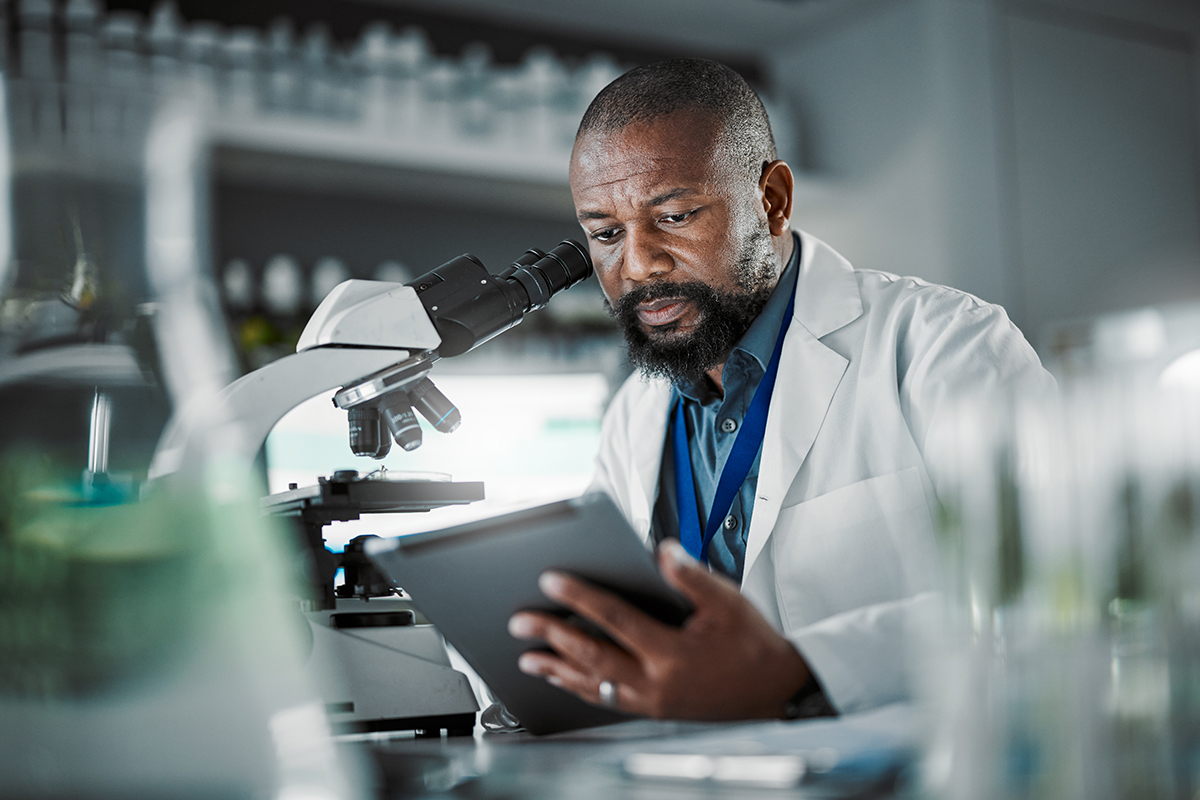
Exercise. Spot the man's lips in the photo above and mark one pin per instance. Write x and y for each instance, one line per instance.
(662, 311)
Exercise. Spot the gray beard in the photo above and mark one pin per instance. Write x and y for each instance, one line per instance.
(724, 317)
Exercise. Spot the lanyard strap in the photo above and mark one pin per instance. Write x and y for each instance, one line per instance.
(737, 466)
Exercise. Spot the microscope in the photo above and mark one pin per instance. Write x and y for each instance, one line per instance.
(382, 666)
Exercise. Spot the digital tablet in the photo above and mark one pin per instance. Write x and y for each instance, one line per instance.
(468, 580)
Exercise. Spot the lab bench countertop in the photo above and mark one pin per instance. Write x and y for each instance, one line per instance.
(868, 755)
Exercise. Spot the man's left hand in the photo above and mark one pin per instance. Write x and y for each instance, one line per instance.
(725, 662)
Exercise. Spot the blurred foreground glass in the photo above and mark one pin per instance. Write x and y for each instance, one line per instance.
(146, 644)
(1069, 665)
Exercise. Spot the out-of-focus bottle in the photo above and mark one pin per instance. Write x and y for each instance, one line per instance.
(147, 643)
(392, 272)
(441, 86)
(598, 71)
(373, 61)
(477, 117)
(124, 64)
(41, 113)
(237, 284)
(282, 87)
(318, 91)
(282, 289)
(327, 273)
(410, 57)
(164, 41)
(200, 53)
(241, 52)
(545, 81)
(36, 19)
(82, 51)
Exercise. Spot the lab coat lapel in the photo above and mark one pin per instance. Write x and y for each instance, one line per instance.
(827, 298)
(648, 431)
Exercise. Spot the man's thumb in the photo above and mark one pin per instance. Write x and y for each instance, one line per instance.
(686, 574)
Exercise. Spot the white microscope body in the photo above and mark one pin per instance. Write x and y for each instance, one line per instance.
(381, 665)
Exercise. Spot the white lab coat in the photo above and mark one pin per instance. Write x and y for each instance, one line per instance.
(840, 555)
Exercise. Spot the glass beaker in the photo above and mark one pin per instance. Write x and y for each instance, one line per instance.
(147, 644)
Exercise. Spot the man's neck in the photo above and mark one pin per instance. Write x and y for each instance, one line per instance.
(714, 375)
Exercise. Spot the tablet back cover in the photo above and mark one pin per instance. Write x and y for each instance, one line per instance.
(468, 580)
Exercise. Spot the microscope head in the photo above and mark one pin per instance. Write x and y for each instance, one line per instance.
(448, 311)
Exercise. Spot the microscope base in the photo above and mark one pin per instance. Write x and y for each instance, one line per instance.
(423, 727)
(388, 677)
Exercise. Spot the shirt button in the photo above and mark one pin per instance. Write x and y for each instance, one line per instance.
(730, 522)
(729, 425)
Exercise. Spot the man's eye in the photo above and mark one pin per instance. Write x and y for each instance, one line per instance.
(604, 235)
(680, 217)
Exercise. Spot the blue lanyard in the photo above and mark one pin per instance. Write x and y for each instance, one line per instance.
(737, 465)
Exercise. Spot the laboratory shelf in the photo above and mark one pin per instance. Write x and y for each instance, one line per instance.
(332, 156)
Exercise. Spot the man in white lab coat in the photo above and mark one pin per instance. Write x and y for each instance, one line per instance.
(836, 378)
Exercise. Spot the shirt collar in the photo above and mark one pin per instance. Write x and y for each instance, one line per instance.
(759, 341)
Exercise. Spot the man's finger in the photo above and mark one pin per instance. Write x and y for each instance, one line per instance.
(583, 653)
(558, 673)
(685, 574)
(636, 631)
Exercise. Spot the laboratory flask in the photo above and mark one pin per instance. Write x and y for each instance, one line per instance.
(147, 643)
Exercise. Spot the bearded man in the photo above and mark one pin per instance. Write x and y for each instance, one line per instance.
(774, 444)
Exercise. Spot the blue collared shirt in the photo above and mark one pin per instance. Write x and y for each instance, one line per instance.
(713, 422)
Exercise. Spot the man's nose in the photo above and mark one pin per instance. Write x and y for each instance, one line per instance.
(643, 257)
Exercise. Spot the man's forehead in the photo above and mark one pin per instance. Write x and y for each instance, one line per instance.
(643, 155)
(640, 170)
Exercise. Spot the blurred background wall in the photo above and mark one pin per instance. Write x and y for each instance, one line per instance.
(1041, 154)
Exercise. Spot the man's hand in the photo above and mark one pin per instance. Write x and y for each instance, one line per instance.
(725, 662)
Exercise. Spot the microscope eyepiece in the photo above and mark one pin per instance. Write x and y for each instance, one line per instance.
(542, 275)
(468, 305)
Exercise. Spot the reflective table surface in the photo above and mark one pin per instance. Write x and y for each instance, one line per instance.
(866, 755)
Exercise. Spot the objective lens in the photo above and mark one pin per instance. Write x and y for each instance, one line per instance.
(400, 420)
(434, 406)
(367, 434)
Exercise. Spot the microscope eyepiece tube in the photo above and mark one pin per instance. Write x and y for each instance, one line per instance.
(563, 267)
(468, 305)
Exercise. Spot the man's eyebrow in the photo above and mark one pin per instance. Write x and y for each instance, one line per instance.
(658, 200)
(667, 197)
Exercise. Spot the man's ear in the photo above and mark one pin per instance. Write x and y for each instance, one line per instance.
(775, 186)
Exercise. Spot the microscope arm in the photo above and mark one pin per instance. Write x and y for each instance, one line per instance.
(361, 328)
(259, 399)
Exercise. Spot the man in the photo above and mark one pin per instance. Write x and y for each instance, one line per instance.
(824, 516)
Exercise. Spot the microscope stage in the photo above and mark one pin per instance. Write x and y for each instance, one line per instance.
(339, 499)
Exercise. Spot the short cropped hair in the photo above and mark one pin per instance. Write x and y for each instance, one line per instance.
(647, 93)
